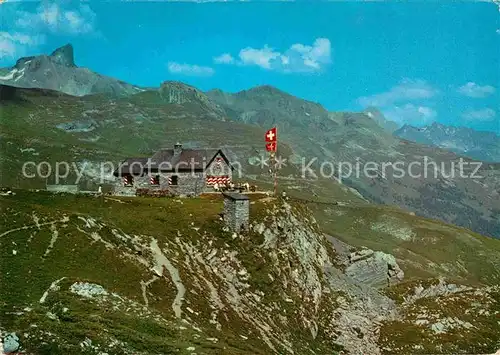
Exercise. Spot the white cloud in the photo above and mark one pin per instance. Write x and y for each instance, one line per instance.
(406, 90)
(297, 58)
(224, 58)
(53, 18)
(477, 91)
(312, 56)
(486, 114)
(28, 29)
(16, 44)
(189, 69)
(411, 114)
(260, 57)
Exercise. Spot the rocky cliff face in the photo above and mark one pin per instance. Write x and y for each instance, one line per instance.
(58, 71)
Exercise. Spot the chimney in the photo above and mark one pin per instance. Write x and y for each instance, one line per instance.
(177, 149)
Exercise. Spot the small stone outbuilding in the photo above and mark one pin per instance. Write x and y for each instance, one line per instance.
(236, 211)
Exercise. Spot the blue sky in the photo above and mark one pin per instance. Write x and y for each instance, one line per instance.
(419, 62)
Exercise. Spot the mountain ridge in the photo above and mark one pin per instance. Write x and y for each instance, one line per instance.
(481, 145)
(347, 137)
(59, 72)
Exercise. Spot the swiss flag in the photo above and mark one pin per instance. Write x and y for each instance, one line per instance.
(271, 147)
(272, 135)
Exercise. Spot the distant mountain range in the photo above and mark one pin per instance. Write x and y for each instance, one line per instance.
(58, 71)
(479, 145)
(484, 146)
(347, 137)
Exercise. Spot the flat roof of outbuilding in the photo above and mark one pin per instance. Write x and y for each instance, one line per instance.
(235, 196)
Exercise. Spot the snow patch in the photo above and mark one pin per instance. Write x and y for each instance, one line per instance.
(10, 75)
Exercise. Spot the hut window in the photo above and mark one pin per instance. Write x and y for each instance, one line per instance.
(155, 180)
(128, 180)
(175, 180)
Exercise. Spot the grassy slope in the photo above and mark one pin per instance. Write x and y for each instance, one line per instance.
(126, 127)
(27, 274)
(436, 249)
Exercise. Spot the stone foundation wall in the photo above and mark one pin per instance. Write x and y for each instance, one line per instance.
(72, 189)
(187, 184)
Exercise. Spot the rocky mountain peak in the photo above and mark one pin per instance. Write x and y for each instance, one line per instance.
(176, 92)
(64, 55)
(215, 91)
(59, 72)
(437, 125)
(265, 90)
(376, 115)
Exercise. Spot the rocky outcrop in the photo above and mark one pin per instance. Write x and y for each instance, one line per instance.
(440, 289)
(359, 315)
(360, 308)
(174, 92)
(374, 268)
(59, 72)
(78, 126)
(64, 56)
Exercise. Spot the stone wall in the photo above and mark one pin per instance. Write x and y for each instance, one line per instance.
(72, 189)
(187, 184)
(236, 214)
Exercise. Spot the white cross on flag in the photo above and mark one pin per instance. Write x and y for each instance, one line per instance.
(271, 140)
(272, 135)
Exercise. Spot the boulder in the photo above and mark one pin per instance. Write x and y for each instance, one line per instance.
(10, 343)
(376, 269)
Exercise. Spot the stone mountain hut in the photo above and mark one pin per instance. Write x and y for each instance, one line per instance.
(179, 171)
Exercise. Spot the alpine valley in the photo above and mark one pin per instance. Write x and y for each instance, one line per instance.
(341, 265)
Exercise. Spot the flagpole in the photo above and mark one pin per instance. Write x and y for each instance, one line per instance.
(271, 147)
(275, 174)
